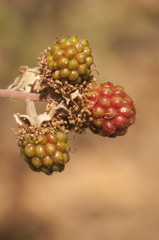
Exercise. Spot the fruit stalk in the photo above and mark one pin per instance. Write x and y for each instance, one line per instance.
(21, 95)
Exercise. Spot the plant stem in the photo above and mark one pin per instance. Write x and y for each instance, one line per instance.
(21, 95)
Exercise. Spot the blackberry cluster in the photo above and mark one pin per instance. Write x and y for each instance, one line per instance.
(75, 102)
(70, 60)
(47, 153)
(112, 110)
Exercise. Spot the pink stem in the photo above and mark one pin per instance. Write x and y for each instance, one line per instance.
(21, 95)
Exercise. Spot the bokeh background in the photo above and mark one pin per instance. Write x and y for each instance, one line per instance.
(109, 190)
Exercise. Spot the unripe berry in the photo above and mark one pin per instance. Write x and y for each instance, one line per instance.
(46, 170)
(82, 69)
(87, 51)
(73, 75)
(31, 140)
(78, 47)
(60, 146)
(112, 110)
(56, 74)
(70, 60)
(66, 158)
(40, 151)
(64, 72)
(26, 159)
(58, 157)
(29, 150)
(73, 64)
(53, 66)
(47, 161)
(24, 142)
(98, 111)
(67, 147)
(42, 139)
(89, 61)
(52, 138)
(46, 152)
(78, 80)
(55, 47)
(88, 72)
(70, 53)
(61, 136)
(98, 122)
(80, 57)
(73, 39)
(84, 42)
(104, 101)
(61, 40)
(50, 148)
(36, 162)
(49, 58)
(57, 54)
(66, 44)
(58, 167)
(62, 62)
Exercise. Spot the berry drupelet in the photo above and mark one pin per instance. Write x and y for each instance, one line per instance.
(70, 60)
(112, 110)
(47, 153)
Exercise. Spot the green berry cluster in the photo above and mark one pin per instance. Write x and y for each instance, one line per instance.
(76, 101)
(47, 153)
(70, 60)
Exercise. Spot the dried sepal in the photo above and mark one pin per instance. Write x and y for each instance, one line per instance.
(27, 81)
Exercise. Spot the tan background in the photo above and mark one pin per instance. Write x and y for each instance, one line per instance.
(109, 190)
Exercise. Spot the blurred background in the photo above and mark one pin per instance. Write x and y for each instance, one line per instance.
(109, 189)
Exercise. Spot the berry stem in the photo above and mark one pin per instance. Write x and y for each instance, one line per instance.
(22, 95)
(30, 109)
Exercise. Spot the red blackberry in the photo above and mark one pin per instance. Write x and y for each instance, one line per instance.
(46, 153)
(112, 109)
(70, 59)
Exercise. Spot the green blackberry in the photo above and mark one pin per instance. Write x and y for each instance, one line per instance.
(47, 153)
(70, 60)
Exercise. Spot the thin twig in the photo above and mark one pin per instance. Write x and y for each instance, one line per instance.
(30, 109)
(21, 95)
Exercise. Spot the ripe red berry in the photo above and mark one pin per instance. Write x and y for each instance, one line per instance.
(110, 112)
(106, 91)
(120, 121)
(109, 126)
(119, 91)
(126, 111)
(112, 109)
(116, 102)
